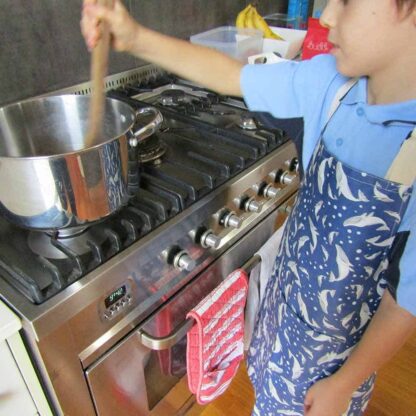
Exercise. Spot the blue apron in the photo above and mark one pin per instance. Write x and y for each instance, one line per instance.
(326, 285)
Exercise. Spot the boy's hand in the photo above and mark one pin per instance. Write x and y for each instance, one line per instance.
(123, 28)
(327, 397)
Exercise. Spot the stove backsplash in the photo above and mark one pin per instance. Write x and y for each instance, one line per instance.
(42, 49)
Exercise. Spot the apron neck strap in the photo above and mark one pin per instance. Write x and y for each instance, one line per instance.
(341, 93)
(403, 168)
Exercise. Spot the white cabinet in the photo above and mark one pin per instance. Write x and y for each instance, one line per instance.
(20, 390)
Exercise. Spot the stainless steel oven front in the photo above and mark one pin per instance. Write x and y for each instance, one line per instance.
(100, 344)
(136, 376)
(112, 341)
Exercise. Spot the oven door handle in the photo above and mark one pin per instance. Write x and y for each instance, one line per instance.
(163, 343)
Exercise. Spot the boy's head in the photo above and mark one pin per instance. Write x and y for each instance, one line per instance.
(372, 36)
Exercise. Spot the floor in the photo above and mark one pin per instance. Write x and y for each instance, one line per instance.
(394, 395)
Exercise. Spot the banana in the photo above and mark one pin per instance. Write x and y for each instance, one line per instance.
(250, 18)
(249, 21)
(261, 24)
(241, 17)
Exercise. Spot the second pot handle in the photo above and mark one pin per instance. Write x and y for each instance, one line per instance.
(148, 129)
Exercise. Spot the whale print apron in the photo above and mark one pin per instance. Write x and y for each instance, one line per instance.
(326, 285)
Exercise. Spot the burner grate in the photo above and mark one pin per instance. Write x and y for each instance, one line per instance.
(39, 277)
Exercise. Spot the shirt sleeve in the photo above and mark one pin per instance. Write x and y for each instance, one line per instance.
(288, 89)
(294, 90)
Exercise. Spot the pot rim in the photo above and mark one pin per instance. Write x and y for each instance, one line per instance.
(74, 152)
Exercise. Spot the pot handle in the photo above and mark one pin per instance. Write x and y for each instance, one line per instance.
(149, 128)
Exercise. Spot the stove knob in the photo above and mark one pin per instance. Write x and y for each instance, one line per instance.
(230, 219)
(209, 239)
(282, 176)
(287, 178)
(293, 164)
(183, 261)
(270, 191)
(251, 205)
(248, 204)
(266, 190)
(285, 209)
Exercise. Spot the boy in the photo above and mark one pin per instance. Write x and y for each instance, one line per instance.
(326, 324)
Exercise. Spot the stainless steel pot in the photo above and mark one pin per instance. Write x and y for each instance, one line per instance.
(49, 180)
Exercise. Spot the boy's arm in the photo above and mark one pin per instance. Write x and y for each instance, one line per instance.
(389, 329)
(204, 66)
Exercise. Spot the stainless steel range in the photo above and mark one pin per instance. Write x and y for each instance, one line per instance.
(104, 308)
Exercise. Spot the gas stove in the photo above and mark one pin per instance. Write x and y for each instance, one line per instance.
(206, 140)
(211, 185)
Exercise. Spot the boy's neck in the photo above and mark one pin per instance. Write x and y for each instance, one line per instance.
(397, 84)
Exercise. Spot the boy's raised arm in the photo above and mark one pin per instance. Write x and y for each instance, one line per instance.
(204, 66)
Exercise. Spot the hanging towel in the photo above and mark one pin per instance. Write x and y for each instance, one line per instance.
(215, 343)
(258, 281)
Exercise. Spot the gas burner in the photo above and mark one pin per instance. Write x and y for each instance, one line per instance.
(150, 149)
(64, 243)
(247, 123)
(172, 98)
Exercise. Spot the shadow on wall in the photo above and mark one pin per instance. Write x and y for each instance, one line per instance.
(42, 49)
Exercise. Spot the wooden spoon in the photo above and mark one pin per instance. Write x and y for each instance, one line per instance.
(99, 64)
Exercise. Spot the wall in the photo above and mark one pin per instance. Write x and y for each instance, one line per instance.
(42, 49)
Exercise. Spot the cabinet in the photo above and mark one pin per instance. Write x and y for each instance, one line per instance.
(20, 390)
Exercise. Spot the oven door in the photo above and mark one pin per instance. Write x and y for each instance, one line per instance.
(137, 376)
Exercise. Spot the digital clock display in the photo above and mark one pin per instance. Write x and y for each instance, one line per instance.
(115, 296)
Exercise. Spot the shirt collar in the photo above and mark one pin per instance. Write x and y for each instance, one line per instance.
(388, 114)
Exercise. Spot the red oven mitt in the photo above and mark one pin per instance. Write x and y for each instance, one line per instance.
(215, 345)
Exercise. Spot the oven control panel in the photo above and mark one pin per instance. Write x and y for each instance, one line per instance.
(271, 188)
(119, 299)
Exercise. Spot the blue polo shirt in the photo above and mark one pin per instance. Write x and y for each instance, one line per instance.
(366, 137)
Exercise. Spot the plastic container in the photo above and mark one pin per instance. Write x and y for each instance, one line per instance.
(288, 48)
(236, 42)
(282, 20)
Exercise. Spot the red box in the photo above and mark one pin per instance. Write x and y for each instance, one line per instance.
(316, 40)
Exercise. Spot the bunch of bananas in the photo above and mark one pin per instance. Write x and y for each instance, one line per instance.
(250, 18)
